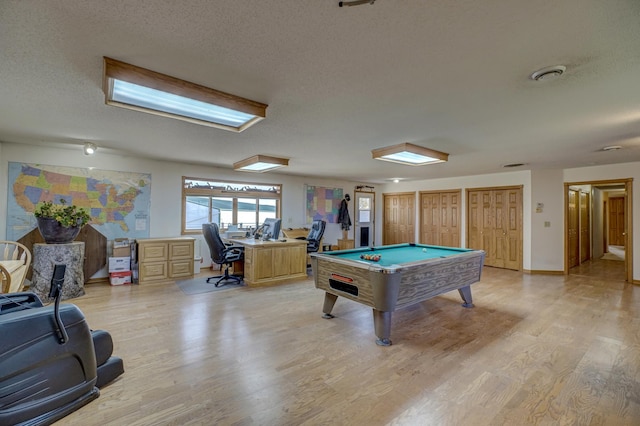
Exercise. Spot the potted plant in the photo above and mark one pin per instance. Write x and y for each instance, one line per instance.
(60, 223)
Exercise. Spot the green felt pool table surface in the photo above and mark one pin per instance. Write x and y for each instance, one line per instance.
(398, 254)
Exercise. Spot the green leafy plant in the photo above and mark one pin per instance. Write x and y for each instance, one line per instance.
(65, 215)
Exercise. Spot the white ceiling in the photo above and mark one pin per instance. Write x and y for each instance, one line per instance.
(339, 82)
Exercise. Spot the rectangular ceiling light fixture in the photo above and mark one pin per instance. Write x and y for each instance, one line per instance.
(407, 153)
(260, 163)
(140, 89)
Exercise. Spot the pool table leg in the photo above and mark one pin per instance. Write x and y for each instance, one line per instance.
(329, 301)
(465, 293)
(382, 324)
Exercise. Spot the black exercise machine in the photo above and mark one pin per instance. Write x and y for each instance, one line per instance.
(51, 362)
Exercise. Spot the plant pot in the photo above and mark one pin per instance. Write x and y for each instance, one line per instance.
(54, 233)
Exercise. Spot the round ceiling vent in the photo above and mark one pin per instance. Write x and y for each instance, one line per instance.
(548, 73)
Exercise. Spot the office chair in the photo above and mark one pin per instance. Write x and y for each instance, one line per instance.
(221, 254)
(315, 235)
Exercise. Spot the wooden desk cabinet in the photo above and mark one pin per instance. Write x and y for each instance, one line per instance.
(165, 258)
(346, 244)
(273, 262)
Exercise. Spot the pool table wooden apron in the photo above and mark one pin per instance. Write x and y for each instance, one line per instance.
(386, 289)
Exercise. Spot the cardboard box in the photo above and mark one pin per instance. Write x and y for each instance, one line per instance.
(121, 242)
(121, 247)
(121, 251)
(118, 264)
(120, 278)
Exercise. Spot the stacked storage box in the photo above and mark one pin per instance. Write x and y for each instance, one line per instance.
(120, 263)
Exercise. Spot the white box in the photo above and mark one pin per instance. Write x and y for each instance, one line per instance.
(120, 278)
(117, 264)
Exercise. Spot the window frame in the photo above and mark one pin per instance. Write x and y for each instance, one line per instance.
(248, 190)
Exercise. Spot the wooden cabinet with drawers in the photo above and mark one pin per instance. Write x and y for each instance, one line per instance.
(165, 258)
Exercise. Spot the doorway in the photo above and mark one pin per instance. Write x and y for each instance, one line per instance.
(364, 228)
(597, 237)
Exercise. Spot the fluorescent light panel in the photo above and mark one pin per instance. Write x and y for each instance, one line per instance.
(140, 89)
(260, 163)
(413, 155)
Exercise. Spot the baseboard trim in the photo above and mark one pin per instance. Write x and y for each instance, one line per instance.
(101, 280)
(542, 272)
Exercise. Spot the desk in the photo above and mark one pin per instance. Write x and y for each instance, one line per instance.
(346, 244)
(295, 233)
(404, 275)
(272, 262)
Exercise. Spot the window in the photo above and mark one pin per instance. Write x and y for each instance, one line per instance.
(245, 205)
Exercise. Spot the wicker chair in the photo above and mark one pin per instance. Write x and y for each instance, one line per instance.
(15, 260)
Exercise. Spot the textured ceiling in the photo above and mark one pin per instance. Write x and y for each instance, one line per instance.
(339, 82)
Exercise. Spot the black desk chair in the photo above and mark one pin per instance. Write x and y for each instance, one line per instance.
(221, 253)
(315, 235)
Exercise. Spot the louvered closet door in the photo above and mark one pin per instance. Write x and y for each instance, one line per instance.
(585, 224)
(511, 206)
(399, 218)
(440, 218)
(572, 228)
(430, 217)
(495, 225)
(616, 221)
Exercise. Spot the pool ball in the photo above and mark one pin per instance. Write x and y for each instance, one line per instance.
(424, 250)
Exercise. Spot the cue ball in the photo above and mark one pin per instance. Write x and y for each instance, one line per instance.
(424, 250)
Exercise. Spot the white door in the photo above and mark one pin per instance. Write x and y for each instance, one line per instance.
(364, 219)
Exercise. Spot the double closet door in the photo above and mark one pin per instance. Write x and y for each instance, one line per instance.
(495, 225)
(440, 218)
(578, 226)
(399, 218)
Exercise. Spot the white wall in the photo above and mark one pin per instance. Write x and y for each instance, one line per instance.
(166, 180)
(547, 242)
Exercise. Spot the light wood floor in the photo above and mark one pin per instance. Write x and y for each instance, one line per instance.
(544, 350)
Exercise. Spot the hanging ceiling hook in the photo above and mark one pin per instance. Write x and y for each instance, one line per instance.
(355, 2)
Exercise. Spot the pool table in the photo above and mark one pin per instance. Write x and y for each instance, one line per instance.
(402, 275)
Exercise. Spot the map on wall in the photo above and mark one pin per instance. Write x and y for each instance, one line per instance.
(118, 202)
(323, 203)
